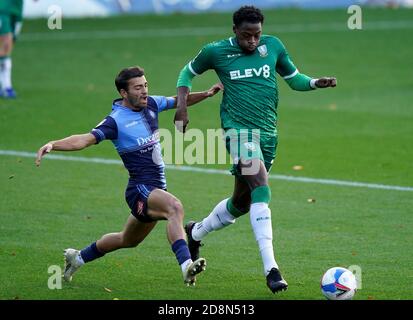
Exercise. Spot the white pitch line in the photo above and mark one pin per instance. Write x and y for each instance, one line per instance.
(213, 171)
(56, 35)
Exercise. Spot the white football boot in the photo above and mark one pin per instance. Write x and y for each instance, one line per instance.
(72, 264)
(192, 270)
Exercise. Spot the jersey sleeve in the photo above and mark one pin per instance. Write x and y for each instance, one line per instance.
(203, 61)
(284, 67)
(164, 103)
(106, 129)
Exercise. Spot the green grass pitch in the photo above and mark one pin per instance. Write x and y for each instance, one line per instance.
(360, 131)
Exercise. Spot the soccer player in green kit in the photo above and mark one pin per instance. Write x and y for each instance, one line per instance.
(11, 17)
(247, 65)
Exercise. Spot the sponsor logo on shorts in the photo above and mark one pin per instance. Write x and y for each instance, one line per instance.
(139, 207)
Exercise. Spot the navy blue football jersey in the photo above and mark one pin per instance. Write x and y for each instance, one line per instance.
(136, 139)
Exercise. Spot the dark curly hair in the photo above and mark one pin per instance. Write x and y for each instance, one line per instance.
(125, 75)
(248, 14)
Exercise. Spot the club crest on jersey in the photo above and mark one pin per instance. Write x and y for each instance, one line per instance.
(263, 50)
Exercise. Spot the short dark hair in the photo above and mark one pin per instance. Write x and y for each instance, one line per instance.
(125, 75)
(248, 14)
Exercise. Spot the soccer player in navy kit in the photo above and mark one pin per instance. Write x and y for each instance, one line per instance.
(132, 127)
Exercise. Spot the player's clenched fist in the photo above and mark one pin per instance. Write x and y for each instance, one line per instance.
(326, 82)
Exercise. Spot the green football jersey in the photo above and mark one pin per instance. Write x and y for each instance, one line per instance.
(11, 7)
(250, 97)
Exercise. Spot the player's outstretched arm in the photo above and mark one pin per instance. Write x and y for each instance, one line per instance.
(72, 143)
(299, 81)
(196, 97)
(302, 82)
(217, 87)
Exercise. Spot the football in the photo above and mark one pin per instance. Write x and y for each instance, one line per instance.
(338, 284)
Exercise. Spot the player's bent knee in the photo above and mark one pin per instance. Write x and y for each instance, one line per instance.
(6, 45)
(175, 209)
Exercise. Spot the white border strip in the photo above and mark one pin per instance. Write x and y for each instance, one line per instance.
(213, 171)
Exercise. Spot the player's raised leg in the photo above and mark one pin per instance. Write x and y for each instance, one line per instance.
(163, 205)
(133, 233)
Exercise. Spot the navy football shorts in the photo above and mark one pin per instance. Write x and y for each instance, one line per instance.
(136, 196)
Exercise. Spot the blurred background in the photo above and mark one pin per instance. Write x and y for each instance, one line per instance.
(87, 8)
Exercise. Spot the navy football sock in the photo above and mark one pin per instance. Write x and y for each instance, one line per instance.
(180, 248)
(91, 253)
